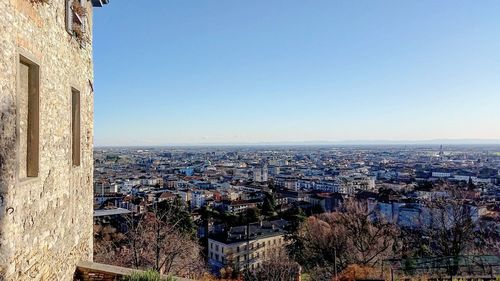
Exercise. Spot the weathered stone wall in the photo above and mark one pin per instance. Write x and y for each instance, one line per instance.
(45, 222)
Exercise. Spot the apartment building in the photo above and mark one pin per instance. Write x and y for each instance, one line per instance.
(260, 173)
(239, 206)
(246, 246)
(354, 182)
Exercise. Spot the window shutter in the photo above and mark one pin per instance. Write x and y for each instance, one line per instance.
(84, 19)
(69, 17)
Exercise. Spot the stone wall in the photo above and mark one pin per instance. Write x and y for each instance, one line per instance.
(45, 222)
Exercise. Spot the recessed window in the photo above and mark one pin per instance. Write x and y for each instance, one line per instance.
(75, 126)
(28, 118)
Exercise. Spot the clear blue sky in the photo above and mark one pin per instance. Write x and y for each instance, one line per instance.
(234, 71)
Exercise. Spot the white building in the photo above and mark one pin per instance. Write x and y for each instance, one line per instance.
(247, 247)
(441, 174)
(260, 173)
(198, 198)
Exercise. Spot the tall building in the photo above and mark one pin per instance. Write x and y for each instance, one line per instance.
(260, 173)
(46, 132)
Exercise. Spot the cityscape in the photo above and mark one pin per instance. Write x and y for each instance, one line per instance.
(242, 202)
(263, 140)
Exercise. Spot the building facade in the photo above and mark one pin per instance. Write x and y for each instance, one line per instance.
(247, 246)
(46, 134)
(260, 173)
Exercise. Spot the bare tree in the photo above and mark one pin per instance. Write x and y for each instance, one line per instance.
(277, 267)
(155, 240)
(332, 241)
(450, 228)
(324, 244)
(370, 238)
(108, 245)
(488, 240)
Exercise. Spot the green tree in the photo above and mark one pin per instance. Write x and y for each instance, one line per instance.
(424, 186)
(178, 215)
(295, 217)
(470, 184)
(250, 215)
(269, 205)
(206, 215)
(230, 219)
(271, 185)
(317, 209)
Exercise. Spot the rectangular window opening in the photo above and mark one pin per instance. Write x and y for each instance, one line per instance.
(28, 118)
(75, 126)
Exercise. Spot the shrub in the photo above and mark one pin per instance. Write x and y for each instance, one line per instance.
(77, 8)
(356, 272)
(80, 35)
(148, 275)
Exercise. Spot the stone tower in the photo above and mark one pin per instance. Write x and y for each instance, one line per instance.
(46, 132)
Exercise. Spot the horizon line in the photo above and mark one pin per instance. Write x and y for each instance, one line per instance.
(324, 143)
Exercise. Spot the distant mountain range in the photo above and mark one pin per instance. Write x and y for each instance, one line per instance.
(399, 142)
(344, 142)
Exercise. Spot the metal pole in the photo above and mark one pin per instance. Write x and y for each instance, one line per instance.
(382, 269)
(335, 261)
(248, 245)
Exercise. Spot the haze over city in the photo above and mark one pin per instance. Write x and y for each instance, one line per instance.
(233, 72)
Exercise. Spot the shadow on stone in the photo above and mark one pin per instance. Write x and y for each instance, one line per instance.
(7, 167)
